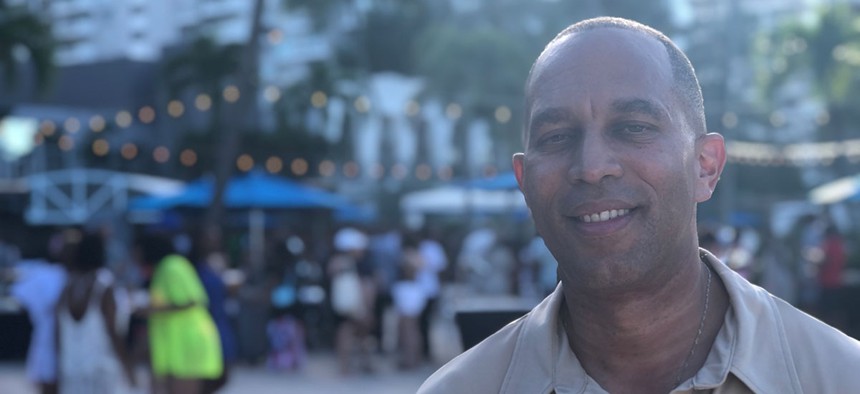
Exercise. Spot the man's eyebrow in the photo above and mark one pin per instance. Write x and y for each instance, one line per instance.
(549, 116)
(638, 105)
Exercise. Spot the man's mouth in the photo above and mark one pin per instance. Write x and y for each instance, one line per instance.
(603, 215)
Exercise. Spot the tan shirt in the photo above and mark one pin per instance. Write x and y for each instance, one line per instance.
(764, 346)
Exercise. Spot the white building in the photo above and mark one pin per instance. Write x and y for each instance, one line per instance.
(89, 31)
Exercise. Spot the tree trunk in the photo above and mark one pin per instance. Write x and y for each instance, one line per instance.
(236, 117)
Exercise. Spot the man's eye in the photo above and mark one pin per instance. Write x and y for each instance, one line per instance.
(557, 138)
(635, 128)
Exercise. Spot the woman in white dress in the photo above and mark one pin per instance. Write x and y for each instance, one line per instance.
(92, 357)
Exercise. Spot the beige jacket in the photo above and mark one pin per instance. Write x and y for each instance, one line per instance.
(764, 346)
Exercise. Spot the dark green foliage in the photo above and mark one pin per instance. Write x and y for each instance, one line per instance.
(19, 28)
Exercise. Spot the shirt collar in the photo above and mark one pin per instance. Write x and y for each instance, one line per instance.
(751, 345)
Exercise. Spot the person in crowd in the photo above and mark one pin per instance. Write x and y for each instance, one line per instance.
(616, 159)
(410, 299)
(184, 344)
(37, 288)
(428, 275)
(352, 292)
(473, 264)
(384, 254)
(202, 255)
(285, 330)
(91, 324)
(540, 277)
(831, 278)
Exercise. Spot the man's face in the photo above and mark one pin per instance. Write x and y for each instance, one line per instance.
(612, 172)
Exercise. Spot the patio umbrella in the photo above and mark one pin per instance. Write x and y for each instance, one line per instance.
(503, 181)
(256, 192)
(842, 189)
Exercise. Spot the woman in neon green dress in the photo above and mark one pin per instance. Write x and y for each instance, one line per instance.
(183, 340)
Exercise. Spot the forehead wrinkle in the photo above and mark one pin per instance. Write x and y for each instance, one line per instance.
(641, 106)
(551, 115)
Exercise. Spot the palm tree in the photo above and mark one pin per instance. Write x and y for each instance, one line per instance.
(203, 67)
(21, 29)
(237, 116)
(827, 54)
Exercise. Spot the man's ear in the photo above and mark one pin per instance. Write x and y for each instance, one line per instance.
(517, 161)
(712, 158)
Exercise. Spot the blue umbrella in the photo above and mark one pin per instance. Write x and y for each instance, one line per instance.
(255, 190)
(503, 181)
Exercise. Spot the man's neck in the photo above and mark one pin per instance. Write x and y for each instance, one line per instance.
(641, 342)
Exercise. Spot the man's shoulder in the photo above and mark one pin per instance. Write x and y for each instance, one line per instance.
(481, 369)
(821, 354)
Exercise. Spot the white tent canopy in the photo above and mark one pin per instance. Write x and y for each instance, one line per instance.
(836, 191)
(454, 200)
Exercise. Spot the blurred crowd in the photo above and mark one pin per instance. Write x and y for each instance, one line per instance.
(184, 309)
(810, 266)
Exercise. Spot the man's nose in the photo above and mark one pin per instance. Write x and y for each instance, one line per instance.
(595, 159)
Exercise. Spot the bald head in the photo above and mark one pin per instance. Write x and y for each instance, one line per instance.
(685, 85)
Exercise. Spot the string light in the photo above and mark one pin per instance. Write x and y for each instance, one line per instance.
(351, 169)
(319, 100)
(299, 167)
(97, 123)
(806, 154)
(245, 163)
(398, 171)
(327, 168)
(123, 119)
(72, 125)
(377, 171)
(272, 94)
(231, 94)
(66, 143)
(362, 104)
(412, 108)
(161, 154)
(203, 102)
(445, 173)
(188, 158)
(503, 114)
(275, 36)
(730, 120)
(175, 108)
(777, 119)
(453, 111)
(146, 115)
(822, 118)
(274, 164)
(423, 172)
(128, 151)
(100, 147)
(48, 128)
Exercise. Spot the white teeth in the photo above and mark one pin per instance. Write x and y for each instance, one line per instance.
(604, 216)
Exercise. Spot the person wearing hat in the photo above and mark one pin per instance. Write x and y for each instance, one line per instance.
(352, 294)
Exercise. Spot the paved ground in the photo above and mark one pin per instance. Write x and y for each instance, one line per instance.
(319, 376)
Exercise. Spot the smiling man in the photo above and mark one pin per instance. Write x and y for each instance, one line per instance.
(616, 159)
